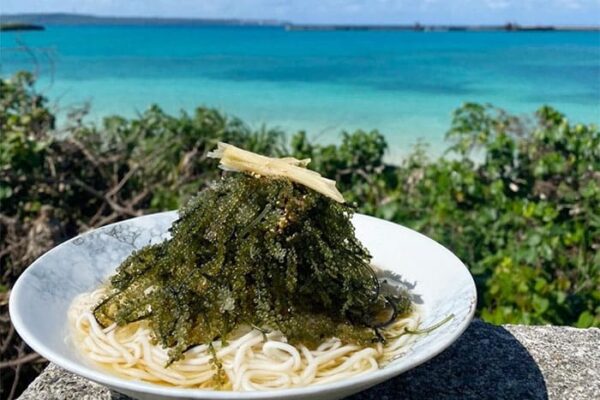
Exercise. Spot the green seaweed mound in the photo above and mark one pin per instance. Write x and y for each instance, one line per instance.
(260, 252)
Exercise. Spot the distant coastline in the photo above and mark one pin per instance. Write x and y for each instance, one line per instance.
(18, 26)
(38, 21)
(83, 19)
(509, 27)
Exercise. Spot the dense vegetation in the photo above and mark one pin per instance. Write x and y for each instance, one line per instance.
(516, 199)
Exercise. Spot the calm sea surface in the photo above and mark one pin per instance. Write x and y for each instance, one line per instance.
(405, 84)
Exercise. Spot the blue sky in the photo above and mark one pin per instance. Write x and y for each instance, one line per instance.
(558, 12)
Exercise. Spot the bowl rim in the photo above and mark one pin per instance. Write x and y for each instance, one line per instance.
(362, 381)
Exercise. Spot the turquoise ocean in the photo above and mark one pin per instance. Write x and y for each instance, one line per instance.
(405, 84)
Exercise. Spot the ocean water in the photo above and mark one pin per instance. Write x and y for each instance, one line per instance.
(405, 84)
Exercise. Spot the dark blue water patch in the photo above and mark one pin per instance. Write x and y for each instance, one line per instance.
(315, 70)
(586, 74)
(447, 87)
(450, 78)
(379, 74)
(580, 98)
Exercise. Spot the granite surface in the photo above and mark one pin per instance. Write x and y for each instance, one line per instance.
(487, 362)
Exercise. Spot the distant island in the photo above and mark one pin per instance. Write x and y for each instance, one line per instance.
(509, 27)
(38, 21)
(83, 19)
(19, 26)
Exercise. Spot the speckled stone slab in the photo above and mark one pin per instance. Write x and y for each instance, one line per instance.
(487, 362)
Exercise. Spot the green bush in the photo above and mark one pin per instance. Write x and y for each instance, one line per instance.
(517, 199)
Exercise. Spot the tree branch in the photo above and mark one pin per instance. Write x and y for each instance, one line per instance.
(31, 357)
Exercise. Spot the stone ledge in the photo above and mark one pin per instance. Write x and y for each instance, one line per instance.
(511, 362)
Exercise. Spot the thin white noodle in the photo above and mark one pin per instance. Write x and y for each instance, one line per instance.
(249, 361)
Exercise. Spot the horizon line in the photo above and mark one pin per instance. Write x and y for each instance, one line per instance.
(292, 25)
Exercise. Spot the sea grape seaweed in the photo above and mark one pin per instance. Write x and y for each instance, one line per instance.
(254, 251)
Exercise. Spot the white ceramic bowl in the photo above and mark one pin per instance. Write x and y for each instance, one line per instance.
(42, 295)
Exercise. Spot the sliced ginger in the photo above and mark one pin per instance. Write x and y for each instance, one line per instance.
(235, 159)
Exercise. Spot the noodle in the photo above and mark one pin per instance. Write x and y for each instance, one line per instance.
(253, 361)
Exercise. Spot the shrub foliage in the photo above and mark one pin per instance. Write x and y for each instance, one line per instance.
(517, 199)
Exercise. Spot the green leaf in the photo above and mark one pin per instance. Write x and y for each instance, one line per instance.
(586, 319)
(5, 192)
(540, 304)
